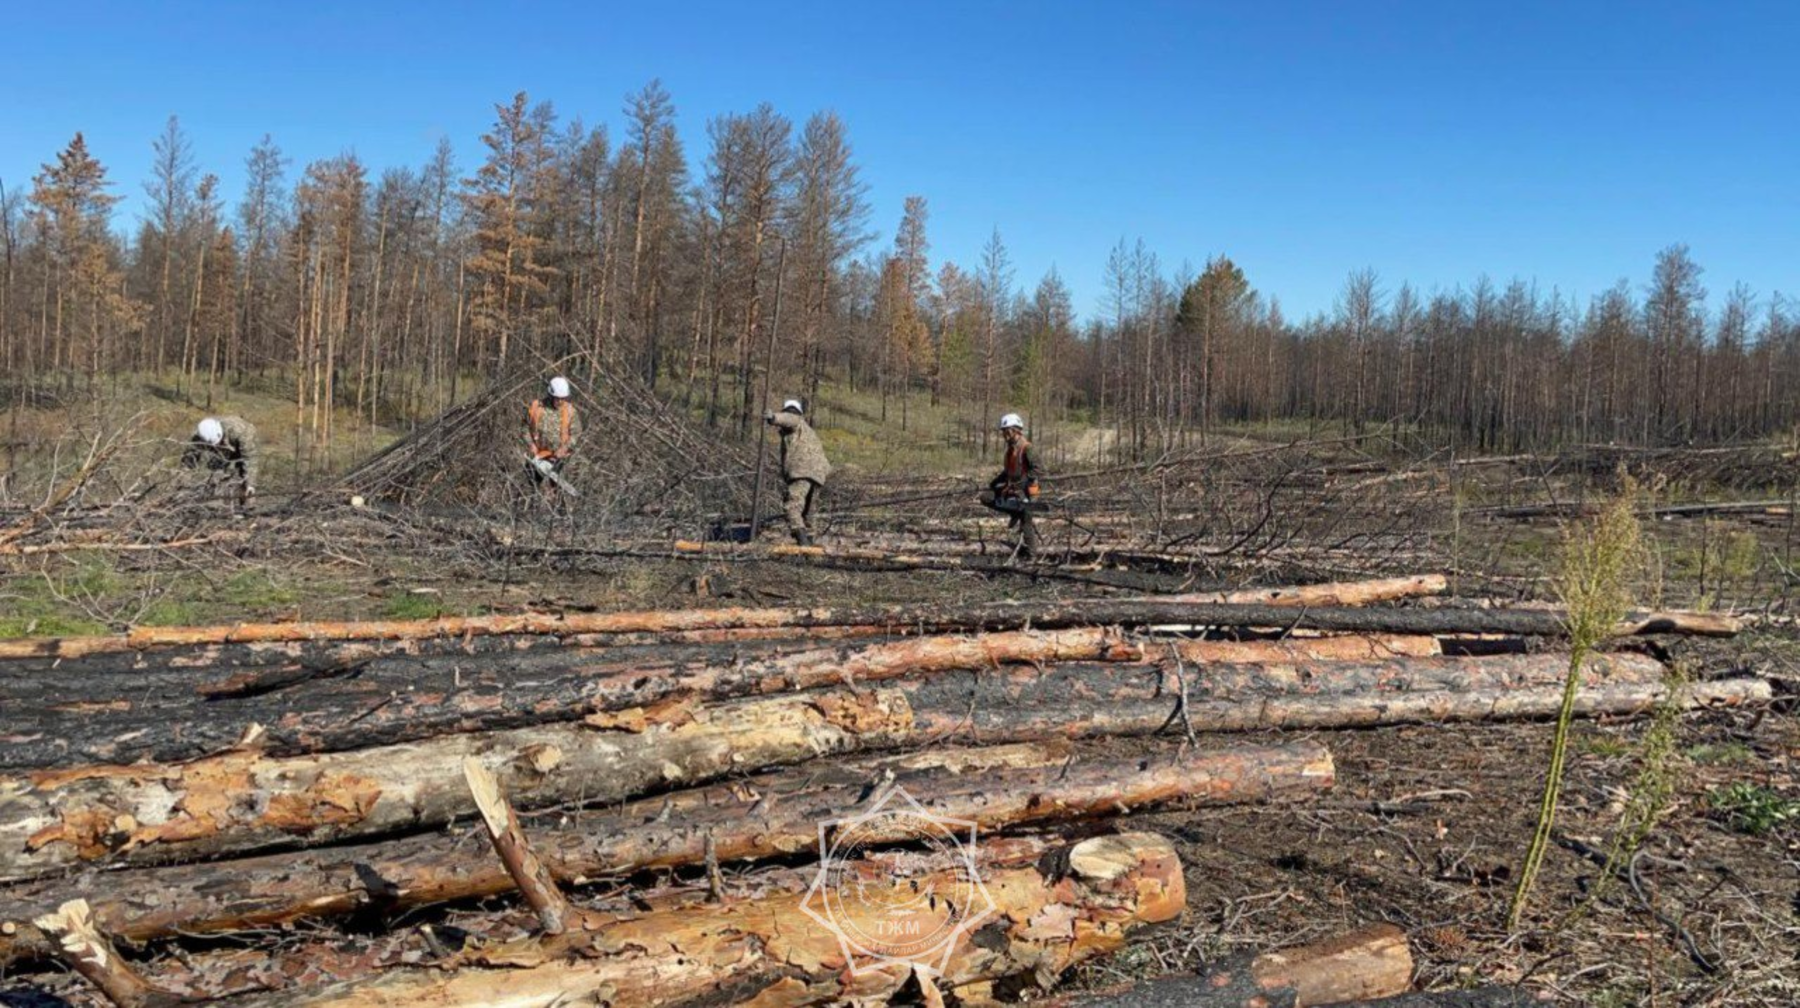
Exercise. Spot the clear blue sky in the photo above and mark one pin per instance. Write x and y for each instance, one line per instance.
(1431, 141)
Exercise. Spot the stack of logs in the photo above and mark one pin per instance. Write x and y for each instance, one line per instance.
(206, 800)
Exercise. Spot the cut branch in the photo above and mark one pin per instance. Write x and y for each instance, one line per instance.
(522, 863)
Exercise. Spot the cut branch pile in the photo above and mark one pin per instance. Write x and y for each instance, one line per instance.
(168, 784)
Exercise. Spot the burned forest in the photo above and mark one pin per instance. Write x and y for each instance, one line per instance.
(595, 566)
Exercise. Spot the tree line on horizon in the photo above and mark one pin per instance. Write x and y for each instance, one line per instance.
(390, 293)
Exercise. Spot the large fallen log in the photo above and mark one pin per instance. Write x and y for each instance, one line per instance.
(1048, 913)
(170, 715)
(243, 801)
(993, 616)
(1373, 962)
(1041, 705)
(188, 714)
(769, 816)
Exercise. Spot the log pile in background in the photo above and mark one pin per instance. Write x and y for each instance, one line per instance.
(223, 780)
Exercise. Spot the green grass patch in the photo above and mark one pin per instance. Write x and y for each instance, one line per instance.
(1605, 746)
(405, 605)
(1752, 808)
(1721, 754)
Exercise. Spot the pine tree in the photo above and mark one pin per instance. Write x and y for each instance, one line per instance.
(84, 304)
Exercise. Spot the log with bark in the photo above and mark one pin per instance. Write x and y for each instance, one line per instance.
(1005, 615)
(185, 714)
(1129, 700)
(244, 801)
(1050, 910)
(173, 715)
(768, 816)
(1164, 612)
(1372, 962)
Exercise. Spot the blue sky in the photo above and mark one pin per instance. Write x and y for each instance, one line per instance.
(1433, 142)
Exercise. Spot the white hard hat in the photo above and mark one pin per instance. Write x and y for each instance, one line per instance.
(793, 404)
(559, 387)
(1011, 420)
(211, 431)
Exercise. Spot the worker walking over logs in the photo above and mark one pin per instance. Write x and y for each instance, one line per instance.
(551, 431)
(1014, 492)
(226, 445)
(803, 465)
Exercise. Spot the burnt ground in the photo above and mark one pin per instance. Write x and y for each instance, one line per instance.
(1438, 857)
(1427, 825)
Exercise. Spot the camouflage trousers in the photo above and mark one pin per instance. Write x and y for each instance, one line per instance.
(802, 494)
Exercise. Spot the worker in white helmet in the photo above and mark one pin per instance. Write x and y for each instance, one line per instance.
(227, 445)
(551, 431)
(1014, 492)
(803, 465)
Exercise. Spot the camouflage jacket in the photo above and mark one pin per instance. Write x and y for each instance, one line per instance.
(552, 430)
(238, 446)
(802, 453)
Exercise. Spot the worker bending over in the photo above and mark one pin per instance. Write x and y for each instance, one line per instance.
(1015, 490)
(803, 465)
(225, 445)
(551, 430)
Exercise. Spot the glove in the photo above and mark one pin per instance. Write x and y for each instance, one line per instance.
(544, 466)
(769, 417)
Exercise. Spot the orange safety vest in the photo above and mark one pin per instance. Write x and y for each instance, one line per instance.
(564, 412)
(1014, 468)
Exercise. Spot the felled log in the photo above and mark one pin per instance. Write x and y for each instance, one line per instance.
(244, 801)
(768, 816)
(772, 952)
(347, 653)
(1368, 963)
(171, 715)
(1480, 997)
(993, 616)
(1128, 700)
(1295, 649)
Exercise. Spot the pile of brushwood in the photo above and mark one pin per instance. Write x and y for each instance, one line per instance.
(767, 806)
(639, 463)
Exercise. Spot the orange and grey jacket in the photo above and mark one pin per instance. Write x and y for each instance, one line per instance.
(1018, 474)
